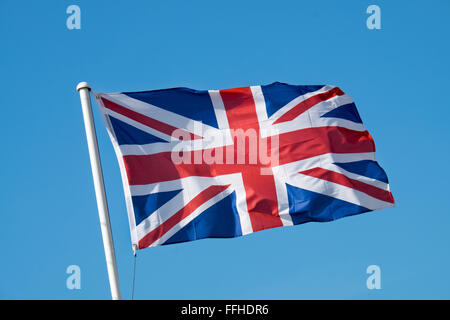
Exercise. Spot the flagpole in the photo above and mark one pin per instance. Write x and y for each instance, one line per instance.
(84, 88)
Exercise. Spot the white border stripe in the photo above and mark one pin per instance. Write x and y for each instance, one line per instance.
(260, 104)
(123, 173)
(219, 109)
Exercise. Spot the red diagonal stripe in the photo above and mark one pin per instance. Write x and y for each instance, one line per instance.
(343, 180)
(308, 103)
(149, 122)
(190, 207)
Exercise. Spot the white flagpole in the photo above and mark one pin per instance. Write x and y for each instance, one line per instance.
(83, 88)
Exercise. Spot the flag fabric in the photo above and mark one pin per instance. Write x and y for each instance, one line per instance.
(224, 163)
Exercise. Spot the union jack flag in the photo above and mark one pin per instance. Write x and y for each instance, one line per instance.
(306, 157)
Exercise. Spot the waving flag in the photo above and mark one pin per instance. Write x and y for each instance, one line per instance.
(224, 163)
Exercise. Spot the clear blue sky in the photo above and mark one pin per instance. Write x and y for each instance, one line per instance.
(399, 77)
